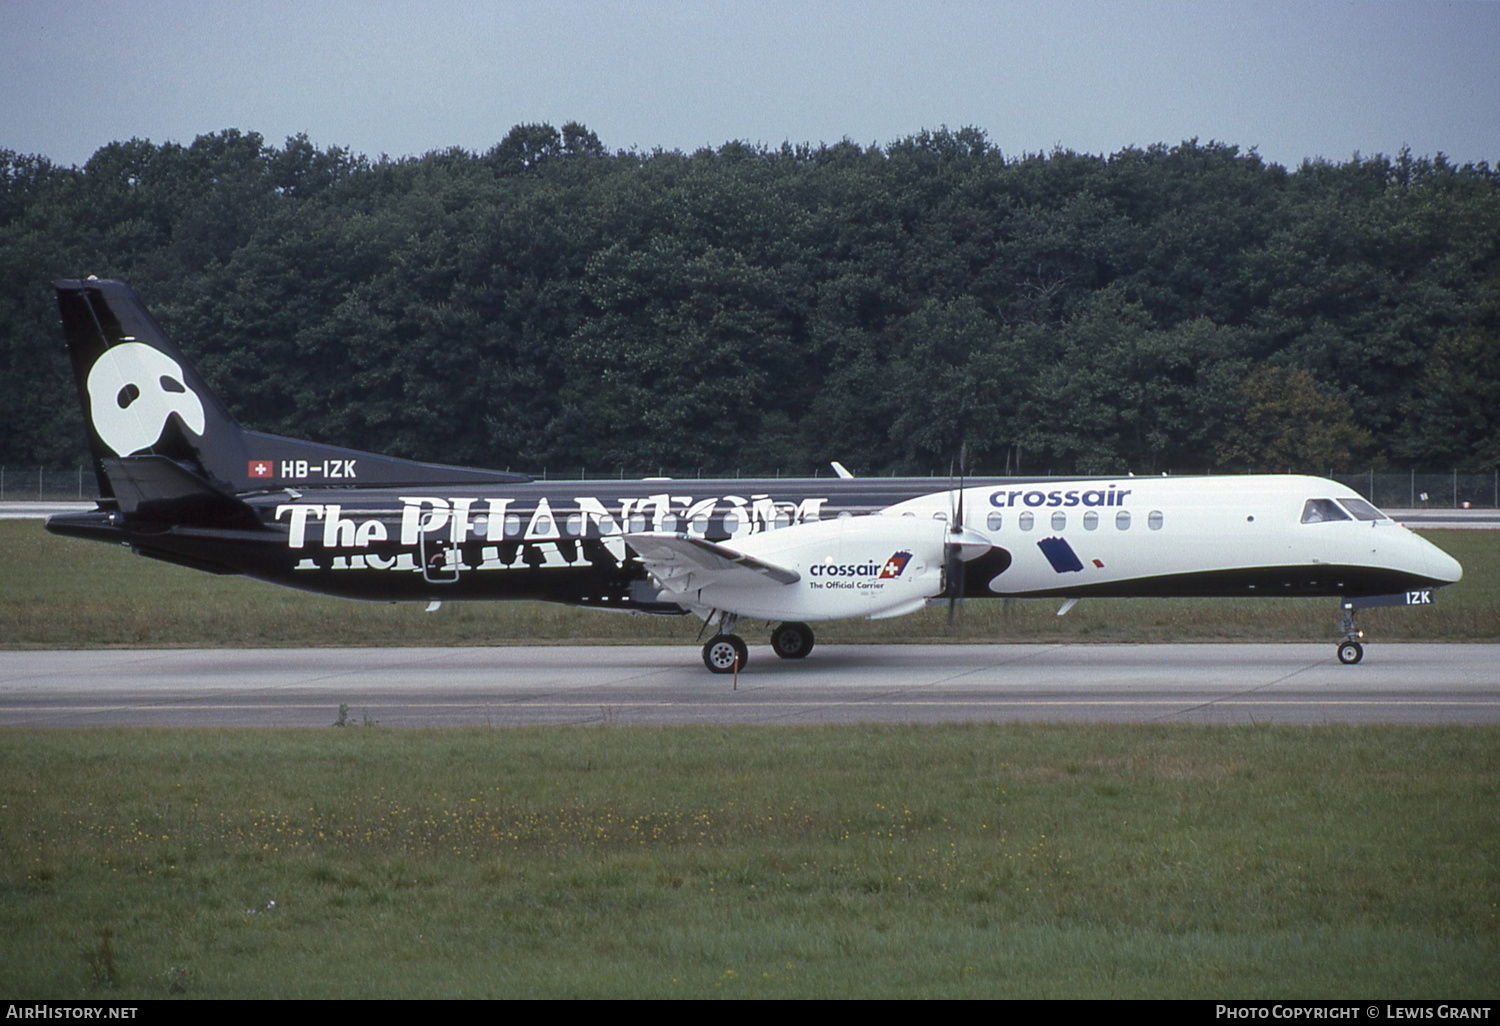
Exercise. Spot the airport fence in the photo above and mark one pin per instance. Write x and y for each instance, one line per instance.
(1420, 490)
(1411, 489)
(48, 484)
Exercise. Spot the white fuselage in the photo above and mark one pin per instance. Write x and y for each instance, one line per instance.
(1137, 536)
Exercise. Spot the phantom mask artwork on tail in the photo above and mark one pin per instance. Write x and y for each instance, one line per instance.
(180, 480)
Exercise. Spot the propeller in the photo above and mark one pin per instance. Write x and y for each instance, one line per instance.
(953, 553)
(961, 545)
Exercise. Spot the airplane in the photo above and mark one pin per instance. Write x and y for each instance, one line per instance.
(181, 480)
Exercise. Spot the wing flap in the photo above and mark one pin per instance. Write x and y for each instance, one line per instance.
(681, 563)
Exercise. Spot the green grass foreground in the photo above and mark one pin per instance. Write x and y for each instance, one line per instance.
(65, 593)
(947, 861)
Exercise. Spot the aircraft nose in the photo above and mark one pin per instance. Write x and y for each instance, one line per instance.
(1442, 566)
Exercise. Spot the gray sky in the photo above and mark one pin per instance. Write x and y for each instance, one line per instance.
(1291, 79)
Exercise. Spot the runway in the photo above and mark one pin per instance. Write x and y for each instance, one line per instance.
(658, 685)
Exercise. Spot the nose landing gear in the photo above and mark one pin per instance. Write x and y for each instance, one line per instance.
(1350, 649)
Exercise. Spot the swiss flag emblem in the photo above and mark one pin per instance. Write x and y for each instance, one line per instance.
(895, 565)
(259, 468)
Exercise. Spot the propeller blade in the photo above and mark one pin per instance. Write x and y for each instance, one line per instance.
(963, 472)
(955, 582)
(953, 552)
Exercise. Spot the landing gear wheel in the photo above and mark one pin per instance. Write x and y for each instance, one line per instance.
(723, 652)
(1351, 652)
(792, 640)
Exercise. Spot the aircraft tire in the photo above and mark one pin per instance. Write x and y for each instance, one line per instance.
(792, 640)
(723, 651)
(1351, 652)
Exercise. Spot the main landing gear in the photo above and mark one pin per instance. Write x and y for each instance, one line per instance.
(1350, 650)
(727, 653)
(792, 640)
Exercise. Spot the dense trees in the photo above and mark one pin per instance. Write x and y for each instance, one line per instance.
(548, 304)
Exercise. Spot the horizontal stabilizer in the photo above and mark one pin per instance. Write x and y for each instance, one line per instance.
(682, 563)
(155, 489)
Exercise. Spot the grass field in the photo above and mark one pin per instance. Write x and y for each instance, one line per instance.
(953, 861)
(65, 593)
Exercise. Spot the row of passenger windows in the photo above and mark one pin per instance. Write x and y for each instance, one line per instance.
(576, 524)
(1027, 520)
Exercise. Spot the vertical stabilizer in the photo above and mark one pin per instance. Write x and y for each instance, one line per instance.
(144, 402)
(140, 395)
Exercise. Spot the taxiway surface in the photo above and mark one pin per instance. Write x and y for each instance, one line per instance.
(644, 685)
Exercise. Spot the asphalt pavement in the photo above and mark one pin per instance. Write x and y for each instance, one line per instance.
(654, 685)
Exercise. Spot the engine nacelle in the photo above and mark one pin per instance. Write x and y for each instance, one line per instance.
(872, 566)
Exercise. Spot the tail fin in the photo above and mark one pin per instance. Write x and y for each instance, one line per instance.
(146, 404)
(140, 395)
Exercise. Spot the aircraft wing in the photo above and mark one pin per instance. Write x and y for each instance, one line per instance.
(681, 563)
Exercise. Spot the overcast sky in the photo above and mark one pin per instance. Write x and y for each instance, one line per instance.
(1291, 79)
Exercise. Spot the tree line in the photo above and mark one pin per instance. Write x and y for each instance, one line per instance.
(548, 304)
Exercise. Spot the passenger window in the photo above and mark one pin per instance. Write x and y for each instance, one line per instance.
(1026, 520)
(1122, 520)
(731, 523)
(669, 522)
(783, 519)
(575, 525)
(1090, 520)
(637, 523)
(1320, 511)
(698, 525)
(1153, 520)
(1059, 520)
(993, 521)
(512, 525)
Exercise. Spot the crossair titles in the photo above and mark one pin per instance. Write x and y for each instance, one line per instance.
(858, 576)
(1111, 496)
(533, 537)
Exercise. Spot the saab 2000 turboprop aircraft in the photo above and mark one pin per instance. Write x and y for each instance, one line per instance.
(180, 480)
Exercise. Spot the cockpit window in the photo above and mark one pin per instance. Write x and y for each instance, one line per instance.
(1320, 511)
(1362, 510)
